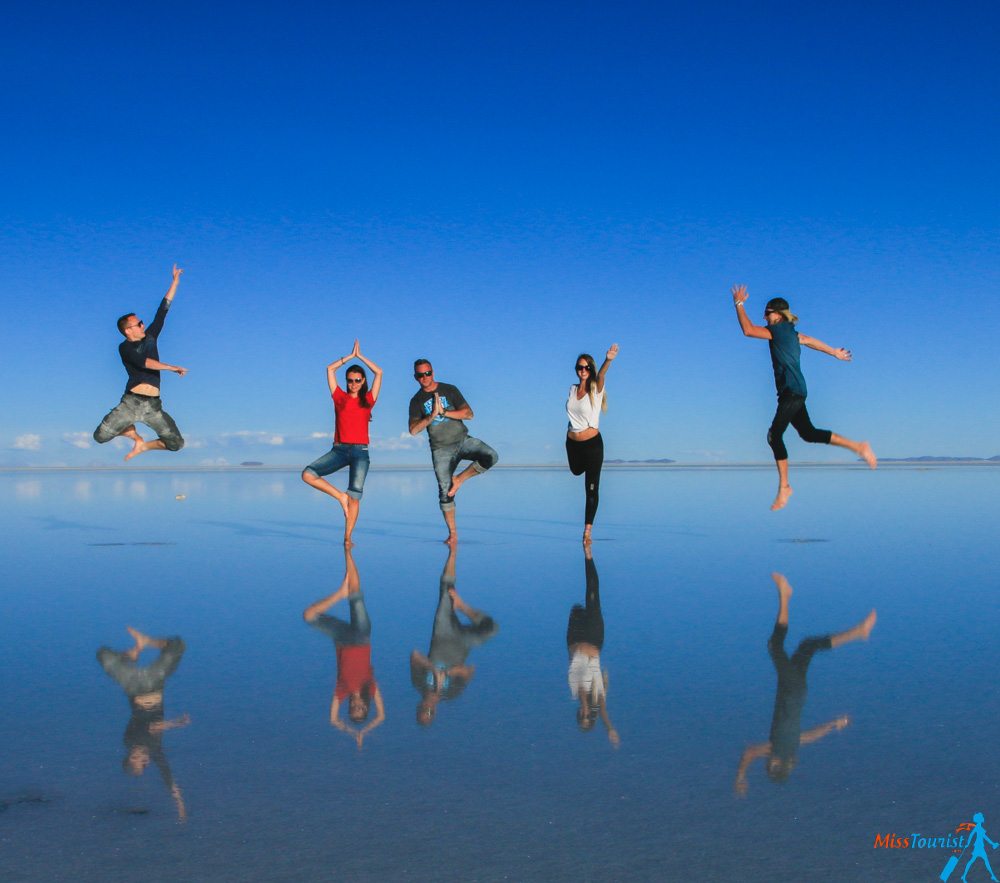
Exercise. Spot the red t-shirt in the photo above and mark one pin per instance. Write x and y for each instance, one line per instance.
(354, 670)
(351, 425)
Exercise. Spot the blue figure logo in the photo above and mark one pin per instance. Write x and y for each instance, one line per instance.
(977, 835)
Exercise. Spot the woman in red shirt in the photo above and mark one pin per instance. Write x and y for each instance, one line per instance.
(353, 412)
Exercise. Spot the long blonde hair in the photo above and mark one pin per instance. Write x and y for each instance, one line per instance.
(592, 380)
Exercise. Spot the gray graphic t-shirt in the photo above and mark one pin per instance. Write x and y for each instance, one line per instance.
(442, 431)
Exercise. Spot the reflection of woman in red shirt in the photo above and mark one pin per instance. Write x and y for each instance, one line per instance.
(355, 675)
(353, 412)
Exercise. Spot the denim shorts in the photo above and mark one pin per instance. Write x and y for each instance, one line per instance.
(339, 456)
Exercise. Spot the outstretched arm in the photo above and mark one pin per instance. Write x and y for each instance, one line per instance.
(752, 753)
(840, 353)
(608, 359)
(169, 296)
(154, 365)
(817, 733)
(748, 328)
(377, 380)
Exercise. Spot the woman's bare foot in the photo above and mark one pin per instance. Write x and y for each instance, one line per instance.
(780, 501)
(868, 455)
(587, 539)
(348, 542)
(342, 499)
(451, 539)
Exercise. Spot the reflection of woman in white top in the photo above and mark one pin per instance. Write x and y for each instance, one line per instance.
(584, 445)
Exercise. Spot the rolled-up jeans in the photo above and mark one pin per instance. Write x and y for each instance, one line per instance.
(447, 457)
(339, 456)
(355, 633)
(135, 408)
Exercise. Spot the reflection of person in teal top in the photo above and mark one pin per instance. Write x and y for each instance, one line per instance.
(782, 748)
(785, 343)
(979, 835)
(442, 673)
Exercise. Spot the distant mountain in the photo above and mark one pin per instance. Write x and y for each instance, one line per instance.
(251, 463)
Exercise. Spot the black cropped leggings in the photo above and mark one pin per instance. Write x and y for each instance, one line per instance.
(586, 458)
(792, 409)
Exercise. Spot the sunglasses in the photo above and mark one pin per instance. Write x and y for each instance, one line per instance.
(419, 374)
(355, 380)
(139, 323)
(583, 367)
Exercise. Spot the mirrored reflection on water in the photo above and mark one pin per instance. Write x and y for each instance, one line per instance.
(144, 686)
(516, 709)
(780, 753)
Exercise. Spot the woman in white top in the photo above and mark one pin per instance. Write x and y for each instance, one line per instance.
(584, 445)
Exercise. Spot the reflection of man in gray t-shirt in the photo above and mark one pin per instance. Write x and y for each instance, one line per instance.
(440, 408)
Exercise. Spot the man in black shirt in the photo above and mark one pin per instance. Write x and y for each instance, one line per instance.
(440, 408)
(141, 402)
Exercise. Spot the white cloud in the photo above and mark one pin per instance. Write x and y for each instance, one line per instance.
(251, 437)
(319, 435)
(218, 461)
(78, 439)
(28, 442)
(403, 442)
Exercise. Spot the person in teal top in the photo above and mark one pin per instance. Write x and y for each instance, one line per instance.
(785, 343)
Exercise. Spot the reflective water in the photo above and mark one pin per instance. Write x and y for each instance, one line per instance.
(485, 767)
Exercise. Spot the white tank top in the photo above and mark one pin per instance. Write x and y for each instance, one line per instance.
(581, 412)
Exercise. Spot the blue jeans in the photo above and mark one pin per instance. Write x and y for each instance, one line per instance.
(446, 459)
(339, 456)
(355, 633)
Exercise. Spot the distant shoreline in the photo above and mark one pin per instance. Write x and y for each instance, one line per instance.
(636, 465)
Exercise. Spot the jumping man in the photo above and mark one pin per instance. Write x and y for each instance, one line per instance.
(141, 402)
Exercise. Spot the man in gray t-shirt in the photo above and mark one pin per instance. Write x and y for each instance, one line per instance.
(440, 408)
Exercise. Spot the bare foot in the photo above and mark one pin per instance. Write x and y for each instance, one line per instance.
(456, 483)
(868, 455)
(137, 448)
(342, 499)
(348, 543)
(780, 501)
(587, 539)
(339, 595)
(451, 540)
(867, 624)
(141, 640)
(784, 587)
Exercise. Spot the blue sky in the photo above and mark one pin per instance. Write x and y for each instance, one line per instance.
(498, 187)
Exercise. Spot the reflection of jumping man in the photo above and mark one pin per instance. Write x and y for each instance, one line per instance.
(143, 685)
(978, 851)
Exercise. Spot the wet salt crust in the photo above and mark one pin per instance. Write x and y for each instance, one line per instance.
(503, 784)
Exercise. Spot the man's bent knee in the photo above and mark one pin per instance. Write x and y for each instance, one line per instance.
(173, 442)
(102, 435)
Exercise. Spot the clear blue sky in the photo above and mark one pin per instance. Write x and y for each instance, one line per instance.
(499, 186)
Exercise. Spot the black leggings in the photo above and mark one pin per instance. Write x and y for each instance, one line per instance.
(586, 624)
(792, 409)
(587, 457)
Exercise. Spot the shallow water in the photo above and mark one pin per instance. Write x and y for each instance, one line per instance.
(503, 784)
